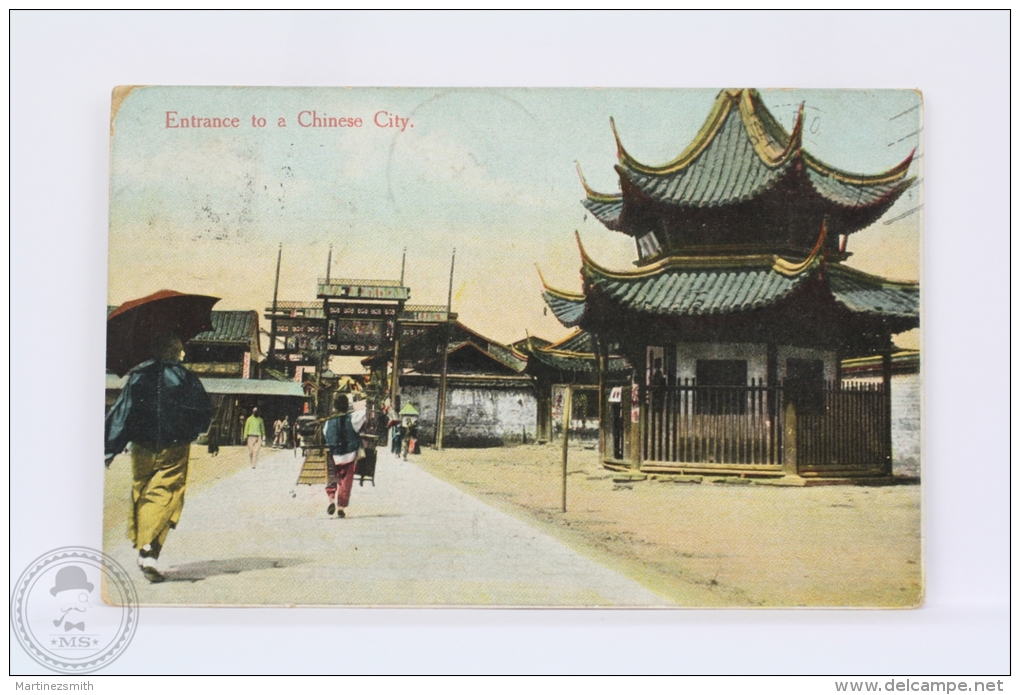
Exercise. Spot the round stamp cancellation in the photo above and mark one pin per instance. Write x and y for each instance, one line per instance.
(74, 610)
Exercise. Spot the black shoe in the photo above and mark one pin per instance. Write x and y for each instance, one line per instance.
(153, 575)
(151, 550)
(331, 509)
(340, 514)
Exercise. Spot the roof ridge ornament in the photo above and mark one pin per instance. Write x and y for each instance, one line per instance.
(595, 195)
(892, 175)
(706, 134)
(761, 129)
(555, 292)
(759, 134)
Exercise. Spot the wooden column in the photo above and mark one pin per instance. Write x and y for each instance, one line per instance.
(566, 441)
(601, 364)
(441, 409)
(790, 438)
(771, 397)
(394, 382)
(887, 396)
(641, 426)
(543, 408)
(272, 321)
(639, 396)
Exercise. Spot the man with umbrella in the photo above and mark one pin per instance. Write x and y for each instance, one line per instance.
(161, 410)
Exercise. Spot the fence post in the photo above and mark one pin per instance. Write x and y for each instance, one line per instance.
(641, 427)
(790, 438)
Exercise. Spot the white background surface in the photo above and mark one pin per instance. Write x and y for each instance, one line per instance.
(63, 67)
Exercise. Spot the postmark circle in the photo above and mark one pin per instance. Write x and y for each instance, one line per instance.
(74, 610)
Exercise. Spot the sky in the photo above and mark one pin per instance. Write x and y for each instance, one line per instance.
(488, 172)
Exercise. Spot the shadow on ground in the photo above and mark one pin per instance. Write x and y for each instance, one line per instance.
(197, 571)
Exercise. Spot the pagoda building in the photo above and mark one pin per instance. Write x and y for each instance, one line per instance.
(740, 308)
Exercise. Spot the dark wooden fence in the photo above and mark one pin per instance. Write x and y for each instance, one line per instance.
(839, 428)
(847, 432)
(714, 424)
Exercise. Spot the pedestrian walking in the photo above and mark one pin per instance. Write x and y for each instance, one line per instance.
(277, 431)
(410, 444)
(397, 437)
(255, 434)
(161, 410)
(341, 433)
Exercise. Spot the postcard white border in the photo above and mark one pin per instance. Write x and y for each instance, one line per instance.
(63, 67)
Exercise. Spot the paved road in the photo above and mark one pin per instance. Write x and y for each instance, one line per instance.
(257, 538)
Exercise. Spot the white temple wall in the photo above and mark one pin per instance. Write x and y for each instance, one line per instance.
(787, 352)
(755, 354)
(688, 354)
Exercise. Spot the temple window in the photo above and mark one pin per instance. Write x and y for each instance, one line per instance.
(805, 384)
(721, 385)
(648, 245)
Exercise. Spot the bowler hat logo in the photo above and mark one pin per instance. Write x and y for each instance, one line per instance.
(70, 578)
(74, 610)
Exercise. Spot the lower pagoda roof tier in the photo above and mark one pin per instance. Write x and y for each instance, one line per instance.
(719, 286)
(567, 307)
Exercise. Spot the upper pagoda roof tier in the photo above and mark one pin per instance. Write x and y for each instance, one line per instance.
(726, 285)
(740, 153)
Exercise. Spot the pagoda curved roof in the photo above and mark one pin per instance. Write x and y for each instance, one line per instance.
(740, 152)
(567, 307)
(721, 285)
(579, 361)
(607, 208)
(574, 353)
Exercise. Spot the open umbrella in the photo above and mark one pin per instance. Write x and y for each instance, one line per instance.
(132, 325)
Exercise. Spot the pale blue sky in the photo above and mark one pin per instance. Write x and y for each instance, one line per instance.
(490, 172)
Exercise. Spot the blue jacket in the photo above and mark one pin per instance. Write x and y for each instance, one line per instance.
(341, 435)
(162, 404)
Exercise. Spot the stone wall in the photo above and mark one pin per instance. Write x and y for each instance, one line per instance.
(906, 421)
(476, 415)
(906, 424)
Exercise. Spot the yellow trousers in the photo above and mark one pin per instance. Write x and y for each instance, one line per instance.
(158, 492)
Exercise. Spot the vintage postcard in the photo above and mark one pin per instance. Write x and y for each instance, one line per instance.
(513, 347)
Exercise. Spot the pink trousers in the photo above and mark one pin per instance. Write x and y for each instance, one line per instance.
(344, 478)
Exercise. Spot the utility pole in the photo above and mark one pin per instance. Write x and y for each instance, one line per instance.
(441, 410)
(276, 292)
(394, 382)
(322, 360)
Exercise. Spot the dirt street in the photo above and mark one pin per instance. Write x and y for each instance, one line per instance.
(725, 544)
